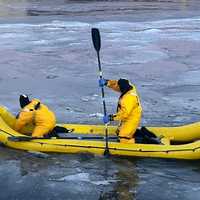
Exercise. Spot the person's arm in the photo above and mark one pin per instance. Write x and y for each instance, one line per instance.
(24, 118)
(128, 103)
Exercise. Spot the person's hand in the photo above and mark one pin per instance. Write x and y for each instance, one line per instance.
(107, 118)
(102, 82)
(111, 118)
(17, 115)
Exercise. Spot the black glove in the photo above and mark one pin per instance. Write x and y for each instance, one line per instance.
(111, 117)
(17, 116)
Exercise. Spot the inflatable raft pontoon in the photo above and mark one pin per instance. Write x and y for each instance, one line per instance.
(188, 135)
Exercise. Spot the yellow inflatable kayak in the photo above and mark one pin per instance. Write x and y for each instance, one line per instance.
(189, 150)
(186, 133)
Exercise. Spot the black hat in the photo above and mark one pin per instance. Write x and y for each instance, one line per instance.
(23, 100)
(124, 85)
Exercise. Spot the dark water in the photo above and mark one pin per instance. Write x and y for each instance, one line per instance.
(46, 52)
(26, 176)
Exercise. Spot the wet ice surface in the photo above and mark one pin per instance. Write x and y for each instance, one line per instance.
(160, 57)
(92, 177)
(46, 51)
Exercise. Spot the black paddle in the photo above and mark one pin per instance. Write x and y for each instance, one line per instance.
(96, 38)
(26, 138)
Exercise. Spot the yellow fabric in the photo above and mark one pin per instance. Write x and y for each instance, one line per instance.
(7, 116)
(128, 128)
(43, 119)
(10, 119)
(129, 111)
(128, 141)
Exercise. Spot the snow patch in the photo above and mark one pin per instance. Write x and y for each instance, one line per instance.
(84, 177)
(97, 115)
(76, 177)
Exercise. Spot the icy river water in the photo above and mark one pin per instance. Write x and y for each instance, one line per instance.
(46, 52)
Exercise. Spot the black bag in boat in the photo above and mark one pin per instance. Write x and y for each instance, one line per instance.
(58, 129)
(144, 136)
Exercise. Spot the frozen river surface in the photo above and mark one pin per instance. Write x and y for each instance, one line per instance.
(46, 52)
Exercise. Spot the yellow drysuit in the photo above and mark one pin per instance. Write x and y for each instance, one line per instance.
(129, 112)
(42, 118)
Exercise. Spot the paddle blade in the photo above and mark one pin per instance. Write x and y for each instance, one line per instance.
(96, 38)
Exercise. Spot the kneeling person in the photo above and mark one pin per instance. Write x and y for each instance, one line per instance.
(36, 113)
(129, 109)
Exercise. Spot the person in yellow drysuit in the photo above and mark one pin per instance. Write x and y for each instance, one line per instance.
(36, 113)
(129, 109)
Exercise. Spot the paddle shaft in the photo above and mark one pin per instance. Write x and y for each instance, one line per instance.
(104, 106)
(97, 45)
(102, 89)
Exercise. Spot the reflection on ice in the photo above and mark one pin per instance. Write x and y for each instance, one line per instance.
(96, 115)
(83, 177)
(74, 177)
